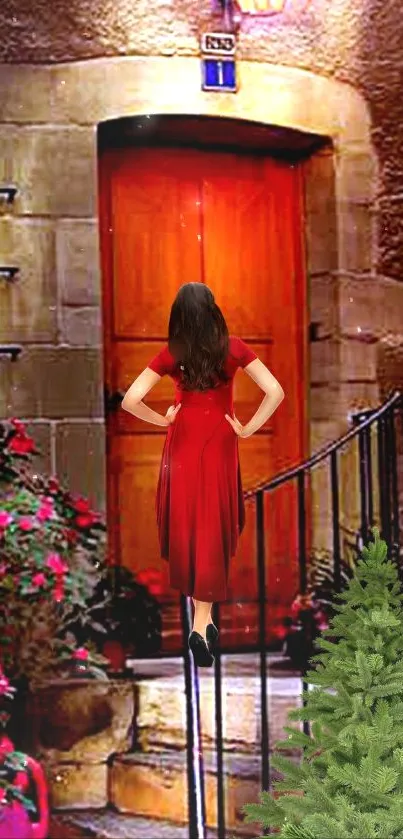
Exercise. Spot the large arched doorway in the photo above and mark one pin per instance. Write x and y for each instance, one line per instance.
(212, 201)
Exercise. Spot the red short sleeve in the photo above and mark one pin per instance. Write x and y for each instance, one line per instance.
(243, 354)
(162, 363)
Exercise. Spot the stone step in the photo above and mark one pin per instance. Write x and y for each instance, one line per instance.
(140, 784)
(107, 824)
(161, 705)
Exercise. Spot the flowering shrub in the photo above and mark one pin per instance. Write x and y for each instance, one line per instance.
(301, 627)
(51, 560)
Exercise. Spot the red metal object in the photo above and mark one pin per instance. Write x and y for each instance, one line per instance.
(16, 824)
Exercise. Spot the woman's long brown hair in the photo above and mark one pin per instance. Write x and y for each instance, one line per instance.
(198, 337)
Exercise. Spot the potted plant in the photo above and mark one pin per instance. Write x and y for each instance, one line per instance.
(129, 605)
(52, 559)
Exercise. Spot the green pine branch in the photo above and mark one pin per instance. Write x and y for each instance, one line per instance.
(348, 780)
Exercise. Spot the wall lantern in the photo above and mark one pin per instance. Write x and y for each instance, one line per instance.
(10, 351)
(234, 10)
(8, 272)
(262, 7)
(7, 193)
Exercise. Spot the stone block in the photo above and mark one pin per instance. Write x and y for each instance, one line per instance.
(78, 786)
(78, 262)
(81, 327)
(358, 360)
(80, 459)
(41, 432)
(320, 209)
(57, 383)
(356, 237)
(161, 717)
(323, 304)
(6, 389)
(356, 175)
(325, 361)
(337, 401)
(82, 722)
(360, 307)
(138, 781)
(55, 170)
(26, 93)
(28, 305)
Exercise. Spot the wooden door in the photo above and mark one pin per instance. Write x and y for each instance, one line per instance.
(170, 216)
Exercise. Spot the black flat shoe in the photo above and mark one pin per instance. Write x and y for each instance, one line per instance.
(211, 635)
(201, 653)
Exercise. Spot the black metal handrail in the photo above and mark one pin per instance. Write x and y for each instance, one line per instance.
(371, 416)
(384, 418)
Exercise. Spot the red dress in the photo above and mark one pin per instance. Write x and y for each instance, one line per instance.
(199, 504)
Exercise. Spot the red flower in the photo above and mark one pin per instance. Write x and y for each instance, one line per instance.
(58, 591)
(53, 485)
(81, 654)
(18, 425)
(45, 511)
(152, 579)
(71, 536)
(21, 444)
(21, 780)
(86, 520)
(26, 523)
(39, 579)
(81, 505)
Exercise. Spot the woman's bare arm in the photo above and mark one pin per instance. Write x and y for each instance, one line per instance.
(274, 395)
(133, 399)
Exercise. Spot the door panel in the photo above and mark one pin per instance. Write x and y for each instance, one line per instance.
(156, 235)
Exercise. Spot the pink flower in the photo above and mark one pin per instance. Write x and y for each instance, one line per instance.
(56, 564)
(3, 569)
(5, 518)
(4, 684)
(39, 579)
(26, 523)
(44, 513)
(81, 654)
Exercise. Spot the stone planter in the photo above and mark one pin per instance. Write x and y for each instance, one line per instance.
(75, 726)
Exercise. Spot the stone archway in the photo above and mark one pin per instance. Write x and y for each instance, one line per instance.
(48, 130)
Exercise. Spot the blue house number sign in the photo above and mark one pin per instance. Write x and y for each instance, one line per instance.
(218, 62)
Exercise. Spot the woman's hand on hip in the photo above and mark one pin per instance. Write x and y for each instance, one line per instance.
(236, 425)
(171, 413)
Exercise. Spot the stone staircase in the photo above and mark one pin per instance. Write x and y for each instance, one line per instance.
(139, 789)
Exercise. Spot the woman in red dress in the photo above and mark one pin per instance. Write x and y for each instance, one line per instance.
(199, 505)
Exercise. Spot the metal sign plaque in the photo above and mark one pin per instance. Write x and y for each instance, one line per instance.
(218, 43)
